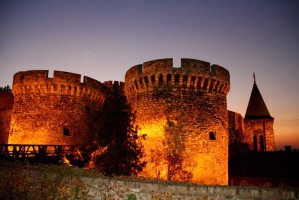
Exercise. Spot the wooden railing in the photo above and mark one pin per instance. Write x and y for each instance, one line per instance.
(44, 153)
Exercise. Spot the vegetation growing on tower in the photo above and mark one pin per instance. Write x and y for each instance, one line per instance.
(119, 136)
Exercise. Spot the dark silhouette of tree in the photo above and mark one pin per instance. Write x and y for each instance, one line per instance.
(5, 89)
(119, 135)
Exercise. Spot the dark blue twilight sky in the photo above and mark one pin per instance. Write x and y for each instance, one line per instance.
(102, 39)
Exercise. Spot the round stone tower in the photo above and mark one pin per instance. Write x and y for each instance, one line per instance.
(183, 112)
(58, 110)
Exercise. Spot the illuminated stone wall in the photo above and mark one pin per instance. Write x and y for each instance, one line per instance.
(6, 103)
(114, 188)
(262, 130)
(193, 98)
(57, 110)
(236, 128)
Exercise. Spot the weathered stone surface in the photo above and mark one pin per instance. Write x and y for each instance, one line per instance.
(62, 110)
(194, 97)
(114, 188)
(236, 128)
(260, 134)
(56, 110)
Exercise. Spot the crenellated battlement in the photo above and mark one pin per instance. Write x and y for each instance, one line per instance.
(38, 81)
(193, 75)
(114, 84)
(193, 97)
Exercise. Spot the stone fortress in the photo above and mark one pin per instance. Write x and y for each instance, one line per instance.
(189, 100)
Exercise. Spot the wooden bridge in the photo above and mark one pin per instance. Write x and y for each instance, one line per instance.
(45, 153)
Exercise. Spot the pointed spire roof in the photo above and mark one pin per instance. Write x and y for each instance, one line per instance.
(257, 108)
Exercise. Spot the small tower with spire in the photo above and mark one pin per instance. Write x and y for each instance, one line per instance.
(258, 122)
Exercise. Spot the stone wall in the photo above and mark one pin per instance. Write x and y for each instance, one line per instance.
(261, 133)
(193, 100)
(58, 110)
(236, 128)
(112, 188)
(6, 103)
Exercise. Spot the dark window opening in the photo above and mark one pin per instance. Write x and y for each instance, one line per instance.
(160, 80)
(136, 85)
(176, 79)
(66, 132)
(141, 83)
(146, 81)
(153, 79)
(212, 136)
(211, 85)
(185, 79)
(205, 86)
(262, 146)
(198, 83)
(168, 79)
(192, 81)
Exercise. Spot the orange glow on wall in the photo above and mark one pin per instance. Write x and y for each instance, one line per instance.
(57, 110)
(205, 160)
(183, 112)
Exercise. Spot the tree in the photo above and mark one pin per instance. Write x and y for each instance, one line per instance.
(5, 89)
(179, 164)
(174, 148)
(157, 161)
(119, 135)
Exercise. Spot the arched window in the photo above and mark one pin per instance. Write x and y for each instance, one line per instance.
(205, 86)
(153, 80)
(168, 79)
(75, 89)
(136, 85)
(146, 81)
(69, 89)
(212, 85)
(192, 81)
(217, 86)
(141, 83)
(185, 79)
(221, 87)
(262, 145)
(198, 83)
(160, 80)
(62, 88)
(176, 79)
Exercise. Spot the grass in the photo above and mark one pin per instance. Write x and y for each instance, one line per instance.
(22, 180)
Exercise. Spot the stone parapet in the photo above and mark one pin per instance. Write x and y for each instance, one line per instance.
(101, 188)
(37, 81)
(193, 75)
